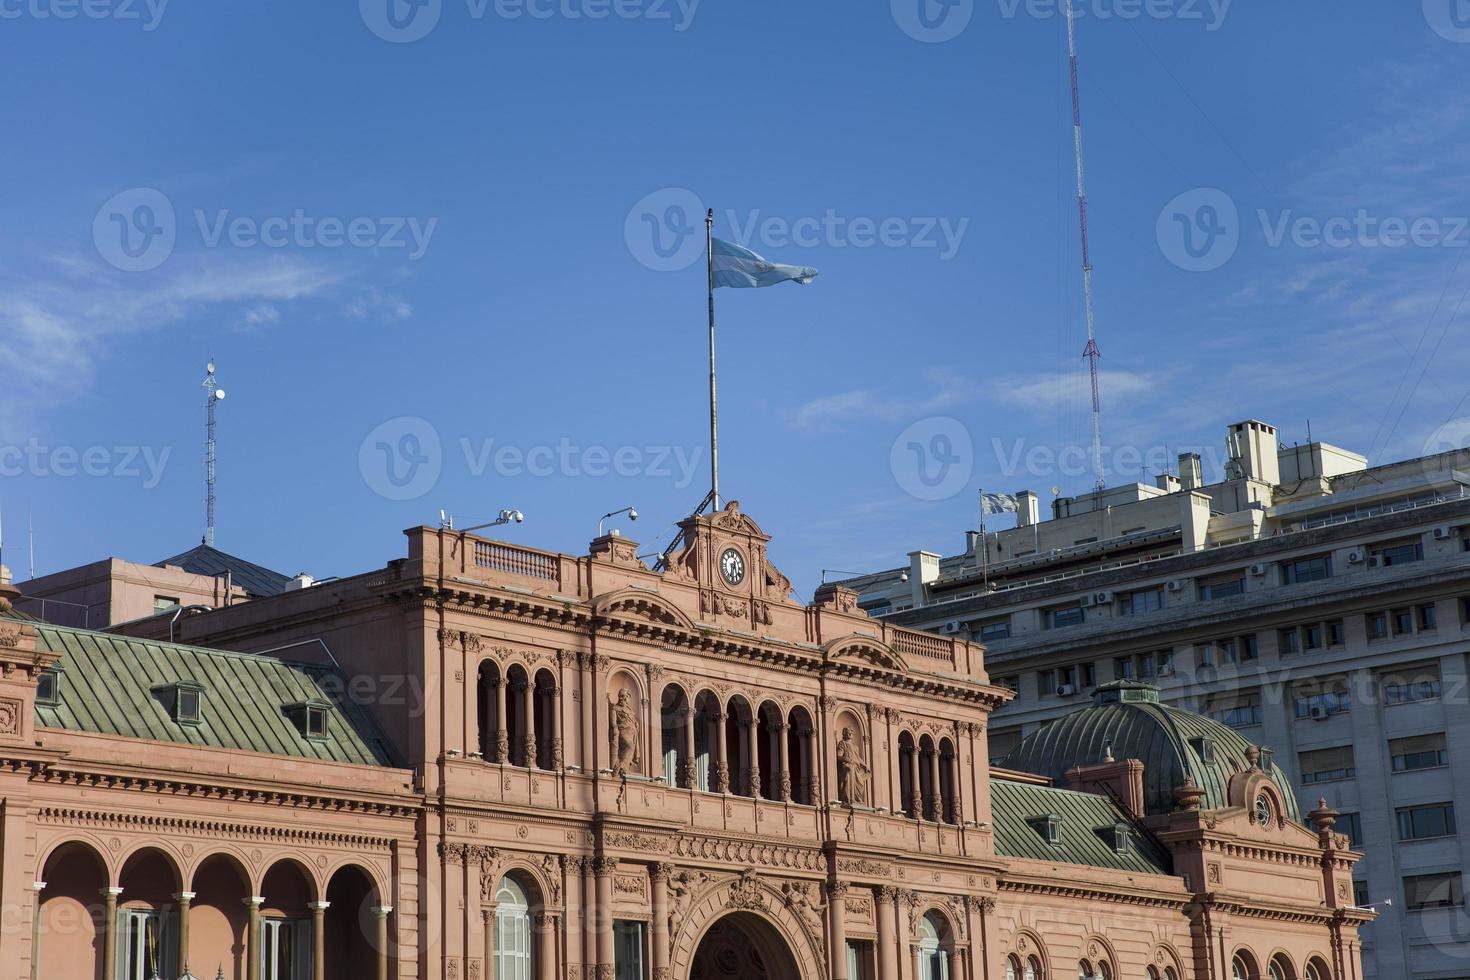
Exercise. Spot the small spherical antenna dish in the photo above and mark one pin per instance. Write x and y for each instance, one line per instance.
(219, 394)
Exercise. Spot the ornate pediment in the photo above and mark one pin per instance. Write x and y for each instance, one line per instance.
(640, 604)
(866, 649)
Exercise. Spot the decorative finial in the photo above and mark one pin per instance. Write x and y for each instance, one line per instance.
(1188, 796)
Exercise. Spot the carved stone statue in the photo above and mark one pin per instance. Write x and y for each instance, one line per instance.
(853, 774)
(624, 733)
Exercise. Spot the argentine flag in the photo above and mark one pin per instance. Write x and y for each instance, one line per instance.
(743, 269)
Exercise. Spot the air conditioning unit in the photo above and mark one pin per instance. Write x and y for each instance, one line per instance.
(1102, 598)
(1258, 569)
(1176, 585)
(1356, 556)
(1066, 690)
(1085, 602)
(1445, 533)
(951, 628)
(1318, 712)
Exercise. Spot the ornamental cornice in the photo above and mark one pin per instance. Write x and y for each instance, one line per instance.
(223, 829)
(1086, 892)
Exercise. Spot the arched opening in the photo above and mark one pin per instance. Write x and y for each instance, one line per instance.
(543, 720)
(673, 710)
(1316, 970)
(934, 948)
(743, 946)
(71, 913)
(740, 745)
(908, 775)
(774, 780)
(518, 718)
(708, 734)
(949, 798)
(286, 928)
(491, 706)
(1280, 968)
(349, 929)
(799, 752)
(219, 922)
(928, 779)
(1243, 967)
(515, 946)
(147, 917)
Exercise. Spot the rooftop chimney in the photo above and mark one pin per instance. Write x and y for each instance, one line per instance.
(1167, 482)
(1191, 472)
(923, 569)
(1254, 449)
(1028, 508)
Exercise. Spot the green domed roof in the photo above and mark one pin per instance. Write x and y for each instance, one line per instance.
(1127, 719)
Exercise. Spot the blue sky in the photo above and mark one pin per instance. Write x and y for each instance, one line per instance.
(389, 241)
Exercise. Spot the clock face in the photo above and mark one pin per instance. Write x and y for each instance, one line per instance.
(1264, 812)
(732, 566)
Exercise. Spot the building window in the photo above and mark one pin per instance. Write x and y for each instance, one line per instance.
(1423, 752)
(1319, 699)
(162, 602)
(1060, 618)
(146, 944)
(1327, 765)
(933, 963)
(1427, 821)
(997, 630)
(1241, 711)
(1377, 625)
(1248, 648)
(1413, 684)
(1124, 669)
(1222, 588)
(1336, 635)
(310, 718)
(1438, 891)
(628, 948)
(514, 954)
(1010, 683)
(1141, 601)
(285, 949)
(859, 958)
(1312, 636)
(1350, 824)
(1289, 641)
(1002, 742)
(1403, 622)
(1306, 570)
(1399, 554)
(48, 687)
(1428, 617)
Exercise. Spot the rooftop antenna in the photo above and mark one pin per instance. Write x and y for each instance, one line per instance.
(1091, 352)
(31, 535)
(213, 394)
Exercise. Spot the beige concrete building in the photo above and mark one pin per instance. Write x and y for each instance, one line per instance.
(1316, 605)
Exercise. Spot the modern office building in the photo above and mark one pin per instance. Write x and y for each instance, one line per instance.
(1319, 606)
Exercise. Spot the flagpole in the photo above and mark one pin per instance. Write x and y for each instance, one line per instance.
(714, 427)
(984, 548)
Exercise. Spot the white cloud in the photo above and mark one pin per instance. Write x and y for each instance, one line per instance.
(375, 302)
(1047, 391)
(941, 390)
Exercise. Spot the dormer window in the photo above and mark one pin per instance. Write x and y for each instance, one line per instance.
(184, 701)
(1120, 837)
(48, 687)
(1204, 746)
(310, 718)
(1049, 826)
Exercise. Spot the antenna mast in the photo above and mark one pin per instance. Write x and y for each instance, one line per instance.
(1091, 352)
(212, 394)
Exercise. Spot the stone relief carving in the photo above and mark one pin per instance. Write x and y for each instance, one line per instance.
(625, 727)
(853, 772)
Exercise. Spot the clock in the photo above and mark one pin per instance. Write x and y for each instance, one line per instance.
(1265, 813)
(732, 567)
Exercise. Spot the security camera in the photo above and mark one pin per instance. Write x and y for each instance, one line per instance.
(632, 514)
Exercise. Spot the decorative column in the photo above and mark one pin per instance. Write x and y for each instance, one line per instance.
(937, 806)
(487, 915)
(252, 937)
(837, 924)
(752, 748)
(37, 887)
(381, 913)
(885, 903)
(689, 776)
(502, 734)
(184, 898)
(916, 789)
(528, 744)
(604, 868)
(545, 946)
(783, 752)
(557, 760)
(318, 938)
(659, 939)
(721, 766)
(109, 934)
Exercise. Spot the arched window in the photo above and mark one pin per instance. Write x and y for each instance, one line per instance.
(672, 711)
(1153, 974)
(1084, 971)
(1033, 969)
(1242, 967)
(933, 964)
(1317, 970)
(1280, 968)
(1104, 971)
(1169, 973)
(1013, 968)
(514, 954)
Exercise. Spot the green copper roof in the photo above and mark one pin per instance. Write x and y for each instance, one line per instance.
(120, 685)
(1087, 825)
(1128, 718)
